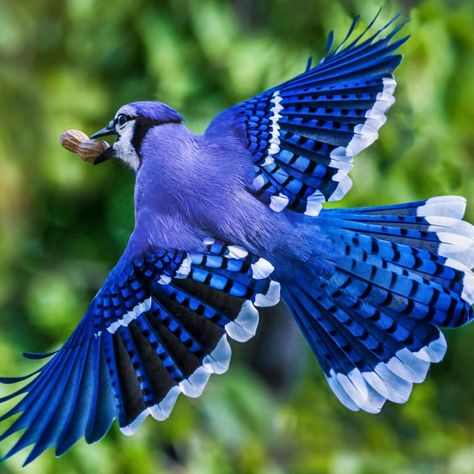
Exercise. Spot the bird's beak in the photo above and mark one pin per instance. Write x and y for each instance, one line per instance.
(105, 155)
(104, 132)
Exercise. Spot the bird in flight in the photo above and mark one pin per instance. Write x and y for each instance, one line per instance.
(231, 221)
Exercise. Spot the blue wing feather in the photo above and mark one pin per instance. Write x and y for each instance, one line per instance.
(304, 133)
(156, 329)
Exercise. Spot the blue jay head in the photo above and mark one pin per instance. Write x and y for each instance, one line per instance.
(130, 124)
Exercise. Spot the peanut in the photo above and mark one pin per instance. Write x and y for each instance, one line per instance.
(78, 142)
(89, 150)
(71, 139)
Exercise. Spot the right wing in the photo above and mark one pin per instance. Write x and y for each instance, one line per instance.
(156, 329)
(304, 133)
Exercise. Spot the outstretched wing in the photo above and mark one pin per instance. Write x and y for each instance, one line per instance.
(303, 134)
(156, 329)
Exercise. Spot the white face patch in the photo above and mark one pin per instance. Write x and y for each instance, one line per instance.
(124, 148)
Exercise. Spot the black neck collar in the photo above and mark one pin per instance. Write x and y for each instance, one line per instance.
(142, 125)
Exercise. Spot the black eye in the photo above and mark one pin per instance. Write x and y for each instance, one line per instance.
(121, 120)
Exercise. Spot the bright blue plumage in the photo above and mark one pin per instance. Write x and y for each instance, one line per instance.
(374, 322)
(221, 220)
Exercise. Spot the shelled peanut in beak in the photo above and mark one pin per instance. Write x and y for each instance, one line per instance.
(78, 142)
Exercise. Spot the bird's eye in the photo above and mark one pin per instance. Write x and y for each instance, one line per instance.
(121, 120)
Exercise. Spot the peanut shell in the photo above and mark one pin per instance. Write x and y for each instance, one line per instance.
(71, 139)
(90, 149)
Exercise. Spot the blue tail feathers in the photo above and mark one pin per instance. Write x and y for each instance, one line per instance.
(400, 273)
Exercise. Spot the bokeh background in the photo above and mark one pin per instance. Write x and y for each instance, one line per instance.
(63, 224)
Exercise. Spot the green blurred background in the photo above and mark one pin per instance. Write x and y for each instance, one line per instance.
(63, 224)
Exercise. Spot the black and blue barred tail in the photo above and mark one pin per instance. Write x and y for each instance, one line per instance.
(401, 273)
(157, 328)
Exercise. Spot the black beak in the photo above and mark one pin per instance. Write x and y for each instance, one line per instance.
(105, 155)
(104, 132)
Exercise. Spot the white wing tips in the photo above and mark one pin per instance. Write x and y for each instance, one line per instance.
(262, 269)
(244, 326)
(271, 297)
(241, 329)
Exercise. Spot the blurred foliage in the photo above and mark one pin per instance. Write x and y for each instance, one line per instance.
(63, 224)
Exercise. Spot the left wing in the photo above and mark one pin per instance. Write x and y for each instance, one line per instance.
(304, 133)
(156, 329)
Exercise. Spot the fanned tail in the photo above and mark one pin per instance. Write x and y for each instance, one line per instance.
(400, 273)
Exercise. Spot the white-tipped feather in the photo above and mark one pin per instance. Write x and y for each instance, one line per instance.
(132, 428)
(418, 368)
(217, 362)
(434, 351)
(162, 410)
(194, 385)
(447, 206)
(374, 402)
(393, 380)
(342, 189)
(314, 203)
(234, 251)
(399, 389)
(467, 293)
(261, 269)
(185, 268)
(270, 298)
(164, 280)
(279, 202)
(258, 182)
(451, 225)
(353, 392)
(340, 393)
(244, 326)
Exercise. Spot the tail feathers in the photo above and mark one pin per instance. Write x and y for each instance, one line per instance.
(401, 272)
(368, 357)
(415, 260)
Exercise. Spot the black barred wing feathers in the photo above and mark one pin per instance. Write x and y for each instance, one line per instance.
(303, 134)
(155, 330)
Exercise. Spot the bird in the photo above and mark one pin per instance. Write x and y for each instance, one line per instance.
(231, 221)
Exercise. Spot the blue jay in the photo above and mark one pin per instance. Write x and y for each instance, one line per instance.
(224, 223)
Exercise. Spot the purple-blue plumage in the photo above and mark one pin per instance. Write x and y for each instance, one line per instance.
(226, 220)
